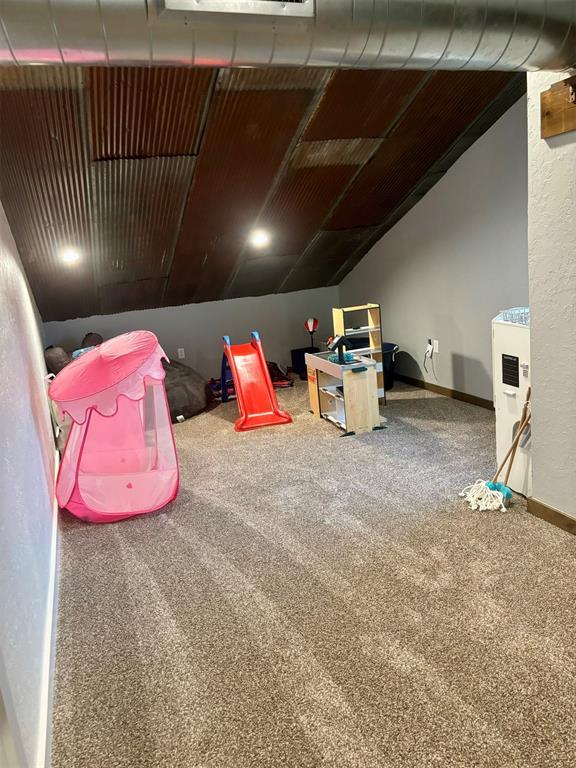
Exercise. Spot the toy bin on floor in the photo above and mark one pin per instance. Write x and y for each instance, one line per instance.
(299, 360)
(120, 458)
(389, 352)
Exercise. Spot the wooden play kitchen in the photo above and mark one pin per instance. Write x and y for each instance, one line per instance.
(346, 393)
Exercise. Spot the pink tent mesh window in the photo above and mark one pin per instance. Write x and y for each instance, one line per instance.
(120, 459)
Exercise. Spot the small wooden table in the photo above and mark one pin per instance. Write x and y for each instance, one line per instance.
(346, 395)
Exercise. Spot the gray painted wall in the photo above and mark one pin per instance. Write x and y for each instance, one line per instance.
(552, 268)
(456, 259)
(199, 328)
(27, 516)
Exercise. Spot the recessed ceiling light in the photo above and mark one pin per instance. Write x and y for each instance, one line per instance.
(70, 255)
(259, 238)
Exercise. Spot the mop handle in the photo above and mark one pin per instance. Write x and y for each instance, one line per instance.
(522, 419)
(513, 447)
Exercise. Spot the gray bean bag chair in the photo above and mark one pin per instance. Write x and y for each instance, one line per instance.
(186, 391)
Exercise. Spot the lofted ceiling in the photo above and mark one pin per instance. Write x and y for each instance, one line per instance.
(157, 176)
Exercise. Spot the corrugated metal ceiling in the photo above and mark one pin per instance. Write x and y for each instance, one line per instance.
(247, 136)
(446, 104)
(295, 213)
(45, 186)
(138, 206)
(134, 112)
(157, 176)
(324, 256)
(362, 103)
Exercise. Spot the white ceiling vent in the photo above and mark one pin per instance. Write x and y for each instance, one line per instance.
(297, 8)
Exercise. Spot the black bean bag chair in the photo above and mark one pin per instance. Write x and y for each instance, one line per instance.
(56, 358)
(186, 391)
(91, 340)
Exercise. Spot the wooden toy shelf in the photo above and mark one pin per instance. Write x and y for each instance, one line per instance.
(370, 325)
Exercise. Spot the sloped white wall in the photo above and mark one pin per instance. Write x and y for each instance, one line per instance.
(198, 328)
(552, 269)
(27, 514)
(454, 261)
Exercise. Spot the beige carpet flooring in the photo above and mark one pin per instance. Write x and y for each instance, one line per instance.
(313, 600)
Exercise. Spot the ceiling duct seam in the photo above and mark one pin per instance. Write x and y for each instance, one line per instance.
(540, 32)
(104, 32)
(418, 35)
(482, 30)
(385, 33)
(8, 43)
(510, 36)
(347, 44)
(355, 63)
(450, 36)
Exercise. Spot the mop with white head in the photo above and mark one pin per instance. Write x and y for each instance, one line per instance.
(491, 495)
(481, 496)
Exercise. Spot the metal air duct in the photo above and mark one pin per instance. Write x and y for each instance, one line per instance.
(415, 34)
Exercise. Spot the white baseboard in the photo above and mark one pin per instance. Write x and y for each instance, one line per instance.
(49, 652)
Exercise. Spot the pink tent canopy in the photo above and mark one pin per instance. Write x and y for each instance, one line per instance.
(120, 458)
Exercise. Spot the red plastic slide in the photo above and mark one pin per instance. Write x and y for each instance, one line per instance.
(255, 394)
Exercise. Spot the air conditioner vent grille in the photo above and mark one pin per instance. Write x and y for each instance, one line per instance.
(510, 371)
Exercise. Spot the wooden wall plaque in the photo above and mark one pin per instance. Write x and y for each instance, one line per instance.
(558, 108)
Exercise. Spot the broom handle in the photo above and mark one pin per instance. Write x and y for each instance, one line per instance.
(522, 420)
(512, 448)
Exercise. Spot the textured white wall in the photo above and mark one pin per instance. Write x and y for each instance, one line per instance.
(552, 269)
(199, 328)
(27, 517)
(454, 261)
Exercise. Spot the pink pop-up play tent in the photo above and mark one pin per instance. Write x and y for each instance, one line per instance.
(120, 458)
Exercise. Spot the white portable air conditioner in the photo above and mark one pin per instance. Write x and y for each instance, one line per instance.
(511, 372)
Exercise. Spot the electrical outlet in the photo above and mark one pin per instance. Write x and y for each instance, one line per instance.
(181, 353)
(436, 349)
